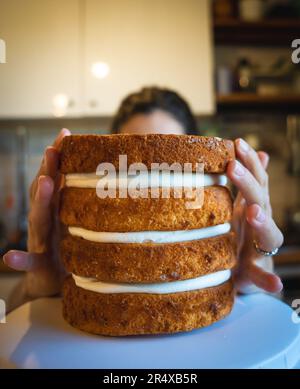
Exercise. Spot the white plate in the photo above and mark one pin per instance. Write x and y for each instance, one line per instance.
(258, 333)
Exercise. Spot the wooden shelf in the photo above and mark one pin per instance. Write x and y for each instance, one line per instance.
(266, 32)
(252, 100)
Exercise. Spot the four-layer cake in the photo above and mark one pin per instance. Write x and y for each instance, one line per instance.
(146, 265)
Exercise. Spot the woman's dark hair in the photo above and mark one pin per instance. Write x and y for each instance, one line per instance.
(149, 99)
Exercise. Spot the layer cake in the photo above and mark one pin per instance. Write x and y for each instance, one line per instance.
(145, 265)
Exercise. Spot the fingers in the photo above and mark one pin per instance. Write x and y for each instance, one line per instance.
(51, 154)
(49, 165)
(252, 181)
(23, 261)
(249, 187)
(264, 158)
(40, 220)
(44, 193)
(50, 161)
(256, 279)
(40, 215)
(250, 176)
(269, 282)
(250, 159)
(57, 142)
(267, 234)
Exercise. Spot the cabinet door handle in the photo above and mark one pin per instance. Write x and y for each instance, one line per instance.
(93, 103)
(71, 103)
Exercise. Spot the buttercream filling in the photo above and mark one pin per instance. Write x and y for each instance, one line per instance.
(146, 180)
(197, 283)
(150, 236)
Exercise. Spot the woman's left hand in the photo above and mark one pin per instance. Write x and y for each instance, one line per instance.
(252, 220)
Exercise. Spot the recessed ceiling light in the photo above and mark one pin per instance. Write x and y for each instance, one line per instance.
(100, 69)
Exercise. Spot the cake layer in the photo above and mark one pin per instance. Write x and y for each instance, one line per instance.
(148, 262)
(120, 314)
(83, 153)
(83, 208)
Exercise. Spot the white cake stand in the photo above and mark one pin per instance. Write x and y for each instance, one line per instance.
(259, 333)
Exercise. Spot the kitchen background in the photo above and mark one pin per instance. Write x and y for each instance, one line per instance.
(68, 63)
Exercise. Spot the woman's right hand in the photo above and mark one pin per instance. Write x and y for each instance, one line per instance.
(44, 272)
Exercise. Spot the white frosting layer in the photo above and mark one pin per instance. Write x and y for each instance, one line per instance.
(147, 180)
(202, 282)
(150, 236)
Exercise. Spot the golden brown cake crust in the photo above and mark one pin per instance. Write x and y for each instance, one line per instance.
(82, 208)
(83, 153)
(147, 262)
(138, 314)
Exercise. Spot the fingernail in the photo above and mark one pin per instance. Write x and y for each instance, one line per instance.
(280, 285)
(267, 157)
(243, 146)
(15, 260)
(39, 194)
(260, 215)
(49, 149)
(65, 132)
(239, 169)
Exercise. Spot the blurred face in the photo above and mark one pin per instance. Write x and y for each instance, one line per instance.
(157, 122)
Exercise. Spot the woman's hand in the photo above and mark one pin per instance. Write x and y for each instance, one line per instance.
(252, 220)
(44, 273)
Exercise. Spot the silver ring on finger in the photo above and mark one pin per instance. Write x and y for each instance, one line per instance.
(264, 252)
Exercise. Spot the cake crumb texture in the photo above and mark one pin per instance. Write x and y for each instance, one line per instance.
(148, 262)
(81, 207)
(83, 153)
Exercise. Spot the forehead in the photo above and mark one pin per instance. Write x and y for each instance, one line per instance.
(156, 122)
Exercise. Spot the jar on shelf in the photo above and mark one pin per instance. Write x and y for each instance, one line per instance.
(251, 10)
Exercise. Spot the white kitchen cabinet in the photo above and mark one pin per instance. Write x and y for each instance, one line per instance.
(43, 60)
(158, 42)
(52, 45)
